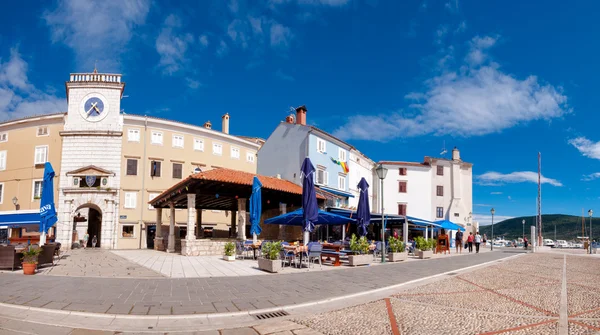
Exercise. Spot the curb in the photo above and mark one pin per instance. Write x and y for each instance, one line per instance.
(241, 313)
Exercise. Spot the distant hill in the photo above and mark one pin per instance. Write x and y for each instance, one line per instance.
(568, 227)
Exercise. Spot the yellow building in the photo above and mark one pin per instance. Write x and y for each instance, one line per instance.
(110, 164)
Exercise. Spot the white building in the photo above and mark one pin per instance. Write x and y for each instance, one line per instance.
(360, 167)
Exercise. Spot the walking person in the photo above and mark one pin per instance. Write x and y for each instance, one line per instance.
(86, 237)
(94, 241)
(477, 242)
(470, 241)
(459, 241)
(525, 243)
(484, 240)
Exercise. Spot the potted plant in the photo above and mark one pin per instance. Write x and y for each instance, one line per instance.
(270, 257)
(397, 250)
(424, 247)
(30, 260)
(229, 252)
(360, 248)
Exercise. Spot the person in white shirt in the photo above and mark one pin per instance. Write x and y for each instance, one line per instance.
(477, 242)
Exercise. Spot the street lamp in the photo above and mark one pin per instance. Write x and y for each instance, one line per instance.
(381, 173)
(15, 201)
(523, 222)
(590, 213)
(493, 211)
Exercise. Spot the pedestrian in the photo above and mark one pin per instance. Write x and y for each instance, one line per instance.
(94, 241)
(470, 241)
(484, 239)
(477, 242)
(443, 242)
(86, 237)
(525, 243)
(395, 233)
(459, 241)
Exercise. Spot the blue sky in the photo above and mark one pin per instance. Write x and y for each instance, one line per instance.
(397, 79)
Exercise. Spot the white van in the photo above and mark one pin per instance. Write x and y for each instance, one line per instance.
(548, 243)
(561, 244)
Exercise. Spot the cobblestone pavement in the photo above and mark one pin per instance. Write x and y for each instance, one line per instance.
(164, 296)
(542, 293)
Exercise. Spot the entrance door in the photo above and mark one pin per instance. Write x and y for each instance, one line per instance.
(150, 234)
(94, 227)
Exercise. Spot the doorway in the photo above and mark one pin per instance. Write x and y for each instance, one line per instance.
(150, 234)
(94, 227)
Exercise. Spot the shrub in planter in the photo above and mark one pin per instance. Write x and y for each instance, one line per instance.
(360, 247)
(229, 251)
(270, 257)
(397, 250)
(30, 260)
(425, 247)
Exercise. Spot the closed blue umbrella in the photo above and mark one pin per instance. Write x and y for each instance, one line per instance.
(363, 212)
(296, 218)
(47, 209)
(255, 208)
(309, 198)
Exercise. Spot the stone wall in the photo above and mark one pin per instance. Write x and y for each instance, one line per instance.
(203, 247)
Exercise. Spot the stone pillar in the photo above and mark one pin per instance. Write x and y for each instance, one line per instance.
(159, 243)
(109, 226)
(241, 214)
(405, 231)
(171, 244)
(191, 221)
(66, 229)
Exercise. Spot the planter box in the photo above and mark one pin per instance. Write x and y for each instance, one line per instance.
(424, 254)
(29, 268)
(397, 256)
(229, 258)
(356, 260)
(269, 265)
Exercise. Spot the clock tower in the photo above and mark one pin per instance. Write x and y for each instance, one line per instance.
(91, 160)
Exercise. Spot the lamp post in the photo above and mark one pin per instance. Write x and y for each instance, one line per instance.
(523, 222)
(493, 211)
(590, 213)
(15, 201)
(381, 173)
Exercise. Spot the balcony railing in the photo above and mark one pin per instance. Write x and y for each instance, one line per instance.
(95, 77)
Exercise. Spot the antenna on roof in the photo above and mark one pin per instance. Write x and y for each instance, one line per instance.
(444, 151)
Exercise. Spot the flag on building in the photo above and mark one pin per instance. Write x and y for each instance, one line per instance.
(344, 165)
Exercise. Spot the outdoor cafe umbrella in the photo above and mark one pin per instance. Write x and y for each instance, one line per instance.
(296, 218)
(363, 212)
(255, 209)
(47, 209)
(310, 209)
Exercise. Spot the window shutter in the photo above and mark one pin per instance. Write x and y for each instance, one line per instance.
(326, 178)
(177, 170)
(2, 160)
(132, 167)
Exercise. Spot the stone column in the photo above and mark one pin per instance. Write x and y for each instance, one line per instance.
(66, 228)
(159, 243)
(241, 214)
(405, 231)
(191, 221)
(109, 226)
(171, 244)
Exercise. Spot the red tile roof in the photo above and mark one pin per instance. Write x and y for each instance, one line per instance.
(404, 163)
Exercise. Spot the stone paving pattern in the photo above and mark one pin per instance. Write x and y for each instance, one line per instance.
(221, 294)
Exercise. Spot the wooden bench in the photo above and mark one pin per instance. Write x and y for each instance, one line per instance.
(329, 254)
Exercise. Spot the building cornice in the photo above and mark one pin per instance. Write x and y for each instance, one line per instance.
(108, 133)
(33, 118)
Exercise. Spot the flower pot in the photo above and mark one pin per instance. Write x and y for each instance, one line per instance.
(29, 268)
(424, 254)
(397, 256)
(356, 260)
(229, 258)
(269, 265)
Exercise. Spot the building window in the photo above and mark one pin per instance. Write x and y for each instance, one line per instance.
(177, 170)
(157, 137)
(182, 232)
(130, 199)
(127, 231)
(402, 186)
(1, 192)
(439, 212)
(42, 131)
(401, 209)
(342, 183)
(321, 146)
(440, 191)
(133, 135)
(322, 177)
(41, 154)
(132, 167)
(151, 197)
(37, 189)
(456, 215)
(198, 144)
(440, 170)
(3, 160)
(235, 153)
(155, 169)
(217, 149)
(342, 155)
(177, 141)
(250, 157)
(4, 137)
(402, 171)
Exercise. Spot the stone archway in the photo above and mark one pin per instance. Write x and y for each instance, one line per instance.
(93, 227)
(101, 223)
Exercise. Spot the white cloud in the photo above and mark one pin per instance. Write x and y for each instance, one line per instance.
(281, 36)
(440, 33)
(462, 27)
(482, 205)
(509, 197)
(452, 6)
(591, 177)
(96, 30)
(479, 45)
(586, 147)
(203, 39)
(279, 74)
(496, 178)
(172, 46)
(486, 219)
(474, 100)
(18, 97)
(222, 50)
(496, 193)
(191, 83)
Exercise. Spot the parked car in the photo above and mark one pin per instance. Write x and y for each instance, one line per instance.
(561, 244)
(578, 245)
(549, 243)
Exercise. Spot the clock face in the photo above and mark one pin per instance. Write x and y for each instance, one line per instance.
(94, 107)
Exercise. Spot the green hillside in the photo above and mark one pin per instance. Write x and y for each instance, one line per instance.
(568, 227)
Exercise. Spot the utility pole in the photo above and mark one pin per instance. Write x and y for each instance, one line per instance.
(539, 199)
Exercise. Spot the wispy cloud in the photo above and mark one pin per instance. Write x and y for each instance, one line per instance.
(172, 46)
(462, 27)
(591, 177)
(482, 205)
(452, 6)
(96, 30)
(486, 219)
(332, 3)
(463, 101)
(279, 74)
(222, 50)
(281, 36)
(495, 193)
(586, 147)
(192, 83)
(496, 178)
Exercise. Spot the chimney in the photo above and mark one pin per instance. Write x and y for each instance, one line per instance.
(289, 118)
(225, 127)
(207, 125)
(455, 154)
(301, 115)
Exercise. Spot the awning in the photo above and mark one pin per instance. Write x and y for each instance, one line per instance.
(337, 192)
(12, 219)
(295, 218)
(389, 218)
(449, 225)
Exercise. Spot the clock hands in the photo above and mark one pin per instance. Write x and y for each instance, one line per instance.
(93, 106)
